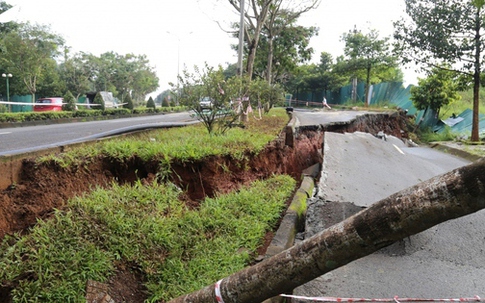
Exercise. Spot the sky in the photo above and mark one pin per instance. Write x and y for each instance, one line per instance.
(184, 33)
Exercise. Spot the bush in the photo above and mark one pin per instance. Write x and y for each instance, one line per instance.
(166, 102)
(70, 102)
(151, 103)
(128, 103)
(428, 135)
(99, 100)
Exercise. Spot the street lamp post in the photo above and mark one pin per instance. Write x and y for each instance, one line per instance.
(178, 63)
(6, 76)
(178, 54)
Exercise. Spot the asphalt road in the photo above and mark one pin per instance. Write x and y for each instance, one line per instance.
(19, 140)
(446, 261)
(307, 117)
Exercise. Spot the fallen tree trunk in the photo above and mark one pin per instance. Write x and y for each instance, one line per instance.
(408, 212)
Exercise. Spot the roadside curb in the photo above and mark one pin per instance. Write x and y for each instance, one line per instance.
(74, 120)
(293, 221)
(455, 151)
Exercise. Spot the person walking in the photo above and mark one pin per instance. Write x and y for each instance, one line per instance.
(324, 103)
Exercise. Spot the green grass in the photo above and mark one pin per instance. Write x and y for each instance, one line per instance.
(475, 150)
(184, 144)
(427, 135)
(178, 249)
(466, 102)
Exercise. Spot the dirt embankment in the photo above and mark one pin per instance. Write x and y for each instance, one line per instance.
(44, 187)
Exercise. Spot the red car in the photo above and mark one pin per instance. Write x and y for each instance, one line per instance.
(48, 104)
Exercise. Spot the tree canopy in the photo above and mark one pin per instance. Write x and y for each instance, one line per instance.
(271, 16)
(445, 32)
(367, 56)
(33, 55)
(277, 58)
(28, 52)
(435, 91)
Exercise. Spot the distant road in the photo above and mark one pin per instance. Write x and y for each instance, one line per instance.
(17, 140)
(307, 117)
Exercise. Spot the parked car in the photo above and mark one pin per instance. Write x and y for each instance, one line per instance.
(48, 104)
(205, 102)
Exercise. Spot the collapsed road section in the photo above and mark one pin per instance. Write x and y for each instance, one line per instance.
(444, 261)
(332, 241)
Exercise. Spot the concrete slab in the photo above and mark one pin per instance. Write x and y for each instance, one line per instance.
(362, 169)
(446, 261)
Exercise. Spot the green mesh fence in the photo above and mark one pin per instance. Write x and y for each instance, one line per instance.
(22, 99)
(386, 93)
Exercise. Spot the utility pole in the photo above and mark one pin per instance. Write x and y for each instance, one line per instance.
(241, 41)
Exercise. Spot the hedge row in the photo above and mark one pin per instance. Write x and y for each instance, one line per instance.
(42, 116)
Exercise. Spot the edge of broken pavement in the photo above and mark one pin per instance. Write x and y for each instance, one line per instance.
(293, 221)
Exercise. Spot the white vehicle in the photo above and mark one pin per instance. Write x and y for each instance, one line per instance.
(205, 102)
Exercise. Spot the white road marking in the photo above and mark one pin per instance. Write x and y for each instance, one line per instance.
(5, 133)
(398, 149)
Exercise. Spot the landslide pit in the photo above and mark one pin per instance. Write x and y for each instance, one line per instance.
(47, 186)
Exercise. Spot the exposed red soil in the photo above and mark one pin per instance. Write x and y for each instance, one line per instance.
(45, 187)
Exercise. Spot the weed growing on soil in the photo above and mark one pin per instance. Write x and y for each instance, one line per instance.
(177, 249)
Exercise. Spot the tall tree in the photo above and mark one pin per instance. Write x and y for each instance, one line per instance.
(366, 53)
(255, 19)
(282, 14)
(324, 76)
(28, 52)
(331, 79)
(50, 83)
(435, 91)
(76, 73)
(445, 32)
(123, 75)
(277, 58)
(104, 68)
(272, 16)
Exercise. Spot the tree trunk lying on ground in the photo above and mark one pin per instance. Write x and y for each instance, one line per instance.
(408, 212)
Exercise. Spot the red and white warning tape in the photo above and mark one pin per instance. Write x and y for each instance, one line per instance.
(217, 290)
(395, 299)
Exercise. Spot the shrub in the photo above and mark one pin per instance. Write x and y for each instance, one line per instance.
(128, 102)
(151, 103)
(70, 102)
(99, 100)
(166, 102)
